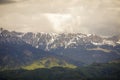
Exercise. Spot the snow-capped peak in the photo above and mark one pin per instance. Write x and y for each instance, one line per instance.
(49, 41)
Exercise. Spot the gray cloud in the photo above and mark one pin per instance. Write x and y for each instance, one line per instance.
(87, 16)
(2, 2)
(7, 1)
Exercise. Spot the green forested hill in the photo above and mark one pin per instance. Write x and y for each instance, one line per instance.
(48, 62)
(108, 71)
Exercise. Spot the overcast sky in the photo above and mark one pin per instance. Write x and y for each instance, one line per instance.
(100, 17)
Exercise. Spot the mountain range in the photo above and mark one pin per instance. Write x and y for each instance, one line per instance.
(32, 50)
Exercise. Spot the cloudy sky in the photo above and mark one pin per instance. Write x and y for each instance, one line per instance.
(100, 17)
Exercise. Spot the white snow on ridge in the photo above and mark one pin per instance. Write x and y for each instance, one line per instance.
(37, 46)
(89, 35)
(94, 43)
(66, 40)
(118, 42)
(109, 42)
(21, 35)
(105, 42)
(81, 36)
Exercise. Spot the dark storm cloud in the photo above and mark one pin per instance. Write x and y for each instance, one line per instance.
(6, 1)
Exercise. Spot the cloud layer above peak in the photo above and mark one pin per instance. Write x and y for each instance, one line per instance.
(86, 16)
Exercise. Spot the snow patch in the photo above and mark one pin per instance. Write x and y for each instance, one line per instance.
(118, 42)
(94, 43)
(21, 35)
(108, 42)
(37, 46)
(88, 35)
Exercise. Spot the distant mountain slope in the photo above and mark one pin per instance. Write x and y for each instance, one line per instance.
(22, 49)
(14, 56)
(17, 55)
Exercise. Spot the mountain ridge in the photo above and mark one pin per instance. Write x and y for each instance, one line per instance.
(74, 48)
(66, 40)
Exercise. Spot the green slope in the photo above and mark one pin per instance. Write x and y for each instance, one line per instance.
(48, 62)
(108, 71)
